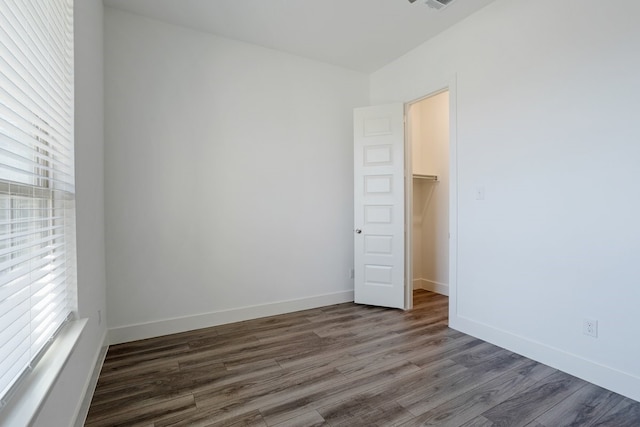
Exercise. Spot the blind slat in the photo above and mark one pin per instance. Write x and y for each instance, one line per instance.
(22, 42)
(25, 265)
(15, 325)
(9, 306)
(29, 238)
(15, 365)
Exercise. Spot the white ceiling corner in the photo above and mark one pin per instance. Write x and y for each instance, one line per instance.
(361, 35)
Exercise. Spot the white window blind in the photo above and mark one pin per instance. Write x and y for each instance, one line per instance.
(37, 201)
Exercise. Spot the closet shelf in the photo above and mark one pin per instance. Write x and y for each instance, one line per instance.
(427, 177)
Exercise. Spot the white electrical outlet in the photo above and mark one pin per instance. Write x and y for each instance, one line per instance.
(590, 327)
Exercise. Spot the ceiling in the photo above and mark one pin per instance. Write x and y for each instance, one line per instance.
(361, 35)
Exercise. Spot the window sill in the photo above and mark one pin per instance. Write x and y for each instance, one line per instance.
(24, 405)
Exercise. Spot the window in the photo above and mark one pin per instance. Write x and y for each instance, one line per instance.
(37, 191)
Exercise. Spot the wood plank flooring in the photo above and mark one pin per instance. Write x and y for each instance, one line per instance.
(343, 365)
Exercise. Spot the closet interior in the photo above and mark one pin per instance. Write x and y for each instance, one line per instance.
(429, 138)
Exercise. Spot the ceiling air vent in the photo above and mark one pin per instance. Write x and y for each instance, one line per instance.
(438, 4)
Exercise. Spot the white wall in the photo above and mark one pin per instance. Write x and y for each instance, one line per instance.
(228, 179)
(430, 156)
(547, 102)
(65, 399)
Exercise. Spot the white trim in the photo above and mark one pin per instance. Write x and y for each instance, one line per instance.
(90, 385)
(198, 321)
(604, 376)
(430, 285)
(453, 196)
(24, 405)
(452, 87)
(408, 209)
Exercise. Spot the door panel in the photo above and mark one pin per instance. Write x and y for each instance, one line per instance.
(379, 205)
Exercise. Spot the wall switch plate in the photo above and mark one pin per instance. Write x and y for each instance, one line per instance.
(590, 327)
(479, 192)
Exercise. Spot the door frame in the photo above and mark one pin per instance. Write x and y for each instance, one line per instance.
(451, 86)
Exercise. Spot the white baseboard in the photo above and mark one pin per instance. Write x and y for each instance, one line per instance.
(604, 376)
(92, 381)
(429, 285)
(205, 320)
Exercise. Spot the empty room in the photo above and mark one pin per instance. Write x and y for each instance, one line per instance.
(338, 213)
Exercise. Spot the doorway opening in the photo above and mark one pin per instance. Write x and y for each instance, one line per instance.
(427, 194)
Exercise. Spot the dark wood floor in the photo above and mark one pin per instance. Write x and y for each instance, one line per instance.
(343, 365)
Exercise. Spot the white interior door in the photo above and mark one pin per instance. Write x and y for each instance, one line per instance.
(379, 205)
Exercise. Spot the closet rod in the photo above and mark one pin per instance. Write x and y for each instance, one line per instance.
(428, 177)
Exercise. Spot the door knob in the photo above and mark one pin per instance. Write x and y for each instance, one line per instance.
(358, 231)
